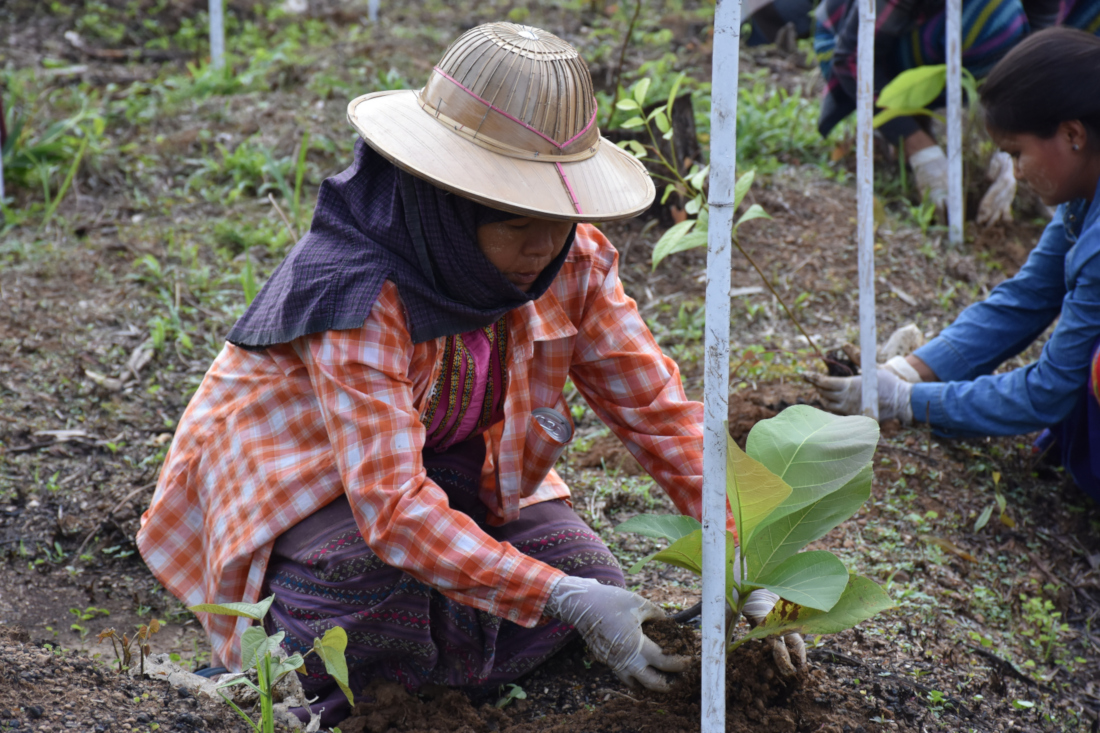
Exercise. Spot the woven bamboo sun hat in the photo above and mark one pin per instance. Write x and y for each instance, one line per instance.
(508, 119)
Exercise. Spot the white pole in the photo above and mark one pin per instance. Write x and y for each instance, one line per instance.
(954, 123)
(372, 10)
(217, 34)
(865, 212)
(716, 378)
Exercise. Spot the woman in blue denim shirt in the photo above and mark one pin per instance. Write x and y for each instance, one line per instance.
(1042, 107)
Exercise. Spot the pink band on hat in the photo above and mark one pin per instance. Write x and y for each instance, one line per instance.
(583, 129)
(498, 110)
(569, 188)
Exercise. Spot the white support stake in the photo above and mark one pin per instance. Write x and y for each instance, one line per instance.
(217, 34)
(372, 10)
(716, 377)
(865, 212)
(955, 204)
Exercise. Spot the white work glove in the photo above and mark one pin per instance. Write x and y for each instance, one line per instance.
(610, 620)
(756, 608)
(930, 169)
(844, 395)
(996, 205)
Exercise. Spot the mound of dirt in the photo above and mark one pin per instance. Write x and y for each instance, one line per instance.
(608, 452)
(750, 406)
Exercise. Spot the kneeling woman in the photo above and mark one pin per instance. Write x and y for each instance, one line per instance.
(363, 448)
(1042, 107)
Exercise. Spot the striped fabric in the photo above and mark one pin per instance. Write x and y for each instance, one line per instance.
(1083, 14)
(912, 33)
(989, 29)
(271, 437)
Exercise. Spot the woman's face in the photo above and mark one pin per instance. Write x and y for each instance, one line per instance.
(1054, 169)
(522, 248)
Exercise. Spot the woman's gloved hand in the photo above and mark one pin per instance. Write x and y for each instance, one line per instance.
(610, 620)
(930, 171)
(844, 395)
(996, 205)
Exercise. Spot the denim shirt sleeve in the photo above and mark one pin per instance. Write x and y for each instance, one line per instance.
(970, 400)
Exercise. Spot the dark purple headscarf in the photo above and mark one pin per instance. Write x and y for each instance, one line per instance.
(374, 223)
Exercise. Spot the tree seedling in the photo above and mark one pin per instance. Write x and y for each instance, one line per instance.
(803, 472)
(258, 650)
(123, 644)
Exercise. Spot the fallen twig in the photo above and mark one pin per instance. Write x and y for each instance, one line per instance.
(833, 657)
(1006, 667)
(124, 54)
(608, 691)
(909, 451)
(286, 221)
(99, 527)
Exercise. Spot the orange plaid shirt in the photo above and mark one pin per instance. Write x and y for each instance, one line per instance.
(271, 437)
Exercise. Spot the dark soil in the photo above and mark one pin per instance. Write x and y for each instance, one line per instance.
(758, 698)
(46, 688)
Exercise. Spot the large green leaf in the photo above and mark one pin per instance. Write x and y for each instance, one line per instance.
(254, 611)
(753, 491)
(862, 599)
(774, 542)
(255, 643)
(331, 651)
(686, 553)
(812, 579)
(813, 451)
(670, 527)
(668, 242)
(682, 244)
(914, 88)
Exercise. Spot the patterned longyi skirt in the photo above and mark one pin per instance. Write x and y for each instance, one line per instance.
(323, 575)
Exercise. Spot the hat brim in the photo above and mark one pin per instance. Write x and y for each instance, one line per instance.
(610, 185)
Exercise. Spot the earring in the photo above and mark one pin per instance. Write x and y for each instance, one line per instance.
(1076, 147)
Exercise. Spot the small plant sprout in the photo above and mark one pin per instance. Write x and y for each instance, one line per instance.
(515, 692)
(122, 644)
(803, 473)
(258, 652)
(1000, 503)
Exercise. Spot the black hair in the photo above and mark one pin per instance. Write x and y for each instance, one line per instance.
(1051, 77)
